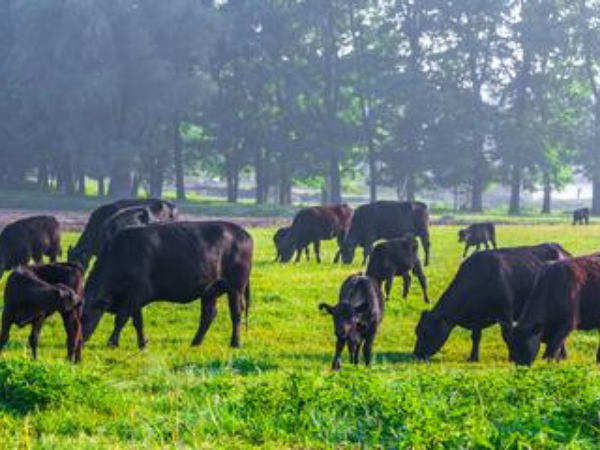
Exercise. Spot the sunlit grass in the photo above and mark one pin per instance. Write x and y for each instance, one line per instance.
(278, 391)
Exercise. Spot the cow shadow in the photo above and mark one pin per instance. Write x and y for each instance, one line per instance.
(237, 365)
(395, 357)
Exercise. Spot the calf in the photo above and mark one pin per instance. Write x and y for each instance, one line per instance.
(356, 318)
(490, 287)
(279, 240)
(312, 225)
(29, 300)
(385, 220)
(476, 234)
(581, 216)
(27, 239)
(397, 257)
(565, 298)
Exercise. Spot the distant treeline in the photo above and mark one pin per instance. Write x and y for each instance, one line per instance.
(412, 94)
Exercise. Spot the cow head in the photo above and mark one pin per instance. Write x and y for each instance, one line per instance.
(432, 332)
(286, 249)
(463, 235)
(68, 297)
(525, 344)
(346, 318)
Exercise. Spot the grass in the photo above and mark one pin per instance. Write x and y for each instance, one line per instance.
(277, 391)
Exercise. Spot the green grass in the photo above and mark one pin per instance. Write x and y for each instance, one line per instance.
(277, 391)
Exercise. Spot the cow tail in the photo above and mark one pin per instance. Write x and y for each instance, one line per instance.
(248, 301)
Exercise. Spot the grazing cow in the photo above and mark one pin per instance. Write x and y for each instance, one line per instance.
(356, 318)
(581, 216)
(565, 298)
(386, 220)
(397, 257)
(476, 234)
(30, 298)
(128, 217)
(279, 240)
(175, 262)
(27, 239)
(312, 225)
(90, 242)
(490, 287)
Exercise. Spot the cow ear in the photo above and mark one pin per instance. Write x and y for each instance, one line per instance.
(327, 308)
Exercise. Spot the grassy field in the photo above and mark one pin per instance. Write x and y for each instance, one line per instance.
(277, 391)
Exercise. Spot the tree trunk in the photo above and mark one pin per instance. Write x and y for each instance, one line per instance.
(477, 188)
(81, 184)
(43, 178)
(120, 182)
(233, 179)
(65, 178)
(262, 186)
(547, 199)
(178, 162)
(157, 176)
(410, 188)
(135, 185)
(101, 187)
(596, 195)
(335, 180)
(285, 185)
(372, 175)
(515, 191)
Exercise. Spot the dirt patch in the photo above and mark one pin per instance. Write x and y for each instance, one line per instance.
(75, 221)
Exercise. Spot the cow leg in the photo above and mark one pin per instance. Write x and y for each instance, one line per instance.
(354, 352)
(120, 321)
(487, 245)
(418, 272)
(555, 344)
(138, 323)
(71, 330)
(478, 247)
(298, 254)
(389, 282)
(235, 311)
(337, 358)
(598, 355)
(367, 252)
(476, 339)
(317, 248)
(53, 253)
(368, 348)
(307, 253)
(337, 257)
(407, 281)
(209, 312)
(466, 251)
(34, 336)
(426, 247)
(5, 333)
(563, 352)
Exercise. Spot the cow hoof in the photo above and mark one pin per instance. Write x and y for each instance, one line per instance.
(235, 344)
(472, 359)
(142, 345)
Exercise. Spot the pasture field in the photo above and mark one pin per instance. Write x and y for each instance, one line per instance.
(277, 391)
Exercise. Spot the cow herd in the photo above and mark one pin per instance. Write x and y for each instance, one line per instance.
(143, 253)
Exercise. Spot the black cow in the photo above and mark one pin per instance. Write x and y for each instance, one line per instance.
(477, 234)
(33, 294)
(397, 257)
(490, 287)
(356, 318)
(27, 239)
(581, 216)
(312, 225)
(90, 242)
(565, 298)
(386, 220)
(176, 262)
